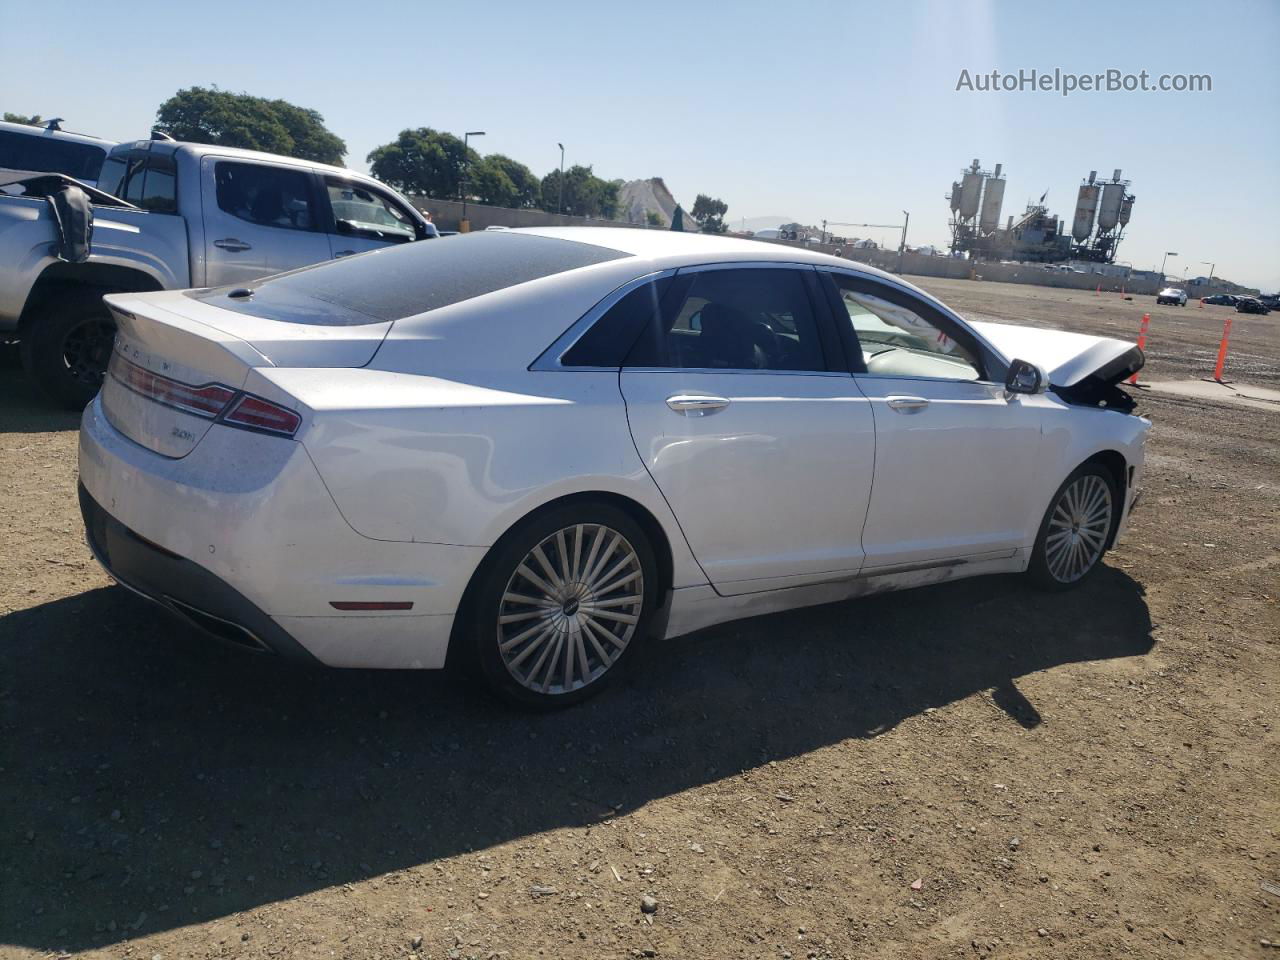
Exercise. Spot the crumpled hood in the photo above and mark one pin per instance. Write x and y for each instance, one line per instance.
(1068, 358)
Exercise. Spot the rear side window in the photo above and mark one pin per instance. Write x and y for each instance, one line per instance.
(610, 338)
(42, 153)
(267, 196)
(413, 278)
(747, 318)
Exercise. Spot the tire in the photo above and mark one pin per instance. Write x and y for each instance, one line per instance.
(66, 346)
(556, 630)
(1076, 527)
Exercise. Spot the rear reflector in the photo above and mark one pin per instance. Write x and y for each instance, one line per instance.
(209, 400)
(371, 604)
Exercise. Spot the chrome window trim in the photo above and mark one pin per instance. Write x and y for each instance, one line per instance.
(550, 358)
(738, 371)
(933, 302)
(747, 265)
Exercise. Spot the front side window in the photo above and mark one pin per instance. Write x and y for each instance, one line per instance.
(359, 211)
(267, 196)
(149, 183)
(897, 339)
(736, 319)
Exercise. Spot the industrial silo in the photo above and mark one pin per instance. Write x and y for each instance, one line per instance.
(1112, 200)
(970, 194)
(955, 197)
(992, 198)
(1086, 207)
(1126, 210)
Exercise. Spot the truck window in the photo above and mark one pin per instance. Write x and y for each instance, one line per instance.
(268, 196)
(149, 183)
(361, 211)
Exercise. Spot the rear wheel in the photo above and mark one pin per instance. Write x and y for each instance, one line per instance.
(65, 348)
(562, 604)
(1074, 532)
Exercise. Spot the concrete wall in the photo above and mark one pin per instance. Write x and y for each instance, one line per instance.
(446, 215)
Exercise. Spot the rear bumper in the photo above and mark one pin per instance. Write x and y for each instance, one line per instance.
(183, 588)
(241, 538)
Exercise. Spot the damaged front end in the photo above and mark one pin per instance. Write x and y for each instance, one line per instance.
(1083, 370)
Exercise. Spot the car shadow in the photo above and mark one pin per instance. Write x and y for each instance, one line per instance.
(23, 408)
(154, 780)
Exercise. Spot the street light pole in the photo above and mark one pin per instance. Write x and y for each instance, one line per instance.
(1168, 254)
(902, 244)
(466, 166)
(560, 202)
(1211, 268)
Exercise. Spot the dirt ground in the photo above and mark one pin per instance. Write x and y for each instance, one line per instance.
(968, 770)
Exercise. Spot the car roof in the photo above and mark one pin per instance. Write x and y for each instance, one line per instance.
(238, 153)
(30, 130)
(668, 249)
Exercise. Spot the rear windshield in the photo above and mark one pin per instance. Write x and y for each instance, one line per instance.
(408, 279)
(42, 153)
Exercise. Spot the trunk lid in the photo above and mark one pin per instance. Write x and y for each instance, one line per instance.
(1071, 359)
(208, 352)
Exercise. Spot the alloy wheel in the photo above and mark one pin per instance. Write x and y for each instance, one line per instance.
(87, 348)
(1078, 528)
(570, 608)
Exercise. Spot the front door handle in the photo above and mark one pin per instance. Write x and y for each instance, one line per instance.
(232, 244)
(691, 405)
(907, 403)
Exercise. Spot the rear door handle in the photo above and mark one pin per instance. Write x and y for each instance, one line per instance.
(696, 405)
(232, 244)
(907, 403)
(343, 253)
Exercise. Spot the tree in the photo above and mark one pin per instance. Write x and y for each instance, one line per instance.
(585, 194)
(32, 121)
(210, 115)
(654, 218)
(427, 161)
(710, 213)
(503, 182)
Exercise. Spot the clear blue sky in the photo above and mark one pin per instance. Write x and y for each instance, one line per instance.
(844, 111)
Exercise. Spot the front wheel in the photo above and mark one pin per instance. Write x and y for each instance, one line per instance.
(561, 605)
(1073, 534)
(66, 347)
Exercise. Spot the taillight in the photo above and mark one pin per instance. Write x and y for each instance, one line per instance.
(212, 401)
(258, 414)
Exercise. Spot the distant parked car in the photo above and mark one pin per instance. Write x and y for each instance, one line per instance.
(25, 149)
(1271, 301)
(1221, 299)
(1172, 295)
(1251, 305)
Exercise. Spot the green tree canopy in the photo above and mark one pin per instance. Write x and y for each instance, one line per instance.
(585, 194)
(710, 213)
(31, 121)
(503, 182)
(431, 162)
(210, 115)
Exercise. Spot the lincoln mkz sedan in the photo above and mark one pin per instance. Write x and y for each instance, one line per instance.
(534, 450)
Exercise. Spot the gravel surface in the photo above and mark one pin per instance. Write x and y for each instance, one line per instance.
(971, 770)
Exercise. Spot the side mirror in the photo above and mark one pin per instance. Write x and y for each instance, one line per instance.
(1025, 377)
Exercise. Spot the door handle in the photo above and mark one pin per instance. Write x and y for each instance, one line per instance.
(343, 253)
(696, 405)
(232, 244)
(907, 403)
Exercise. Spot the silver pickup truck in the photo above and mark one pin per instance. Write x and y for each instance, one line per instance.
(170, 215)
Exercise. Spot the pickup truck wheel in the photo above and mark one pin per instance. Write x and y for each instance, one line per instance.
(66, 347)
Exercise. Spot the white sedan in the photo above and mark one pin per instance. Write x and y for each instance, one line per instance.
(536, 449)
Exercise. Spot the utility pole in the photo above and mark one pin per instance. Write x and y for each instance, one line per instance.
(902, 244)
(1167, 255)
(824, 231)
(466, 166)
(1211, 268)
(560, 204)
